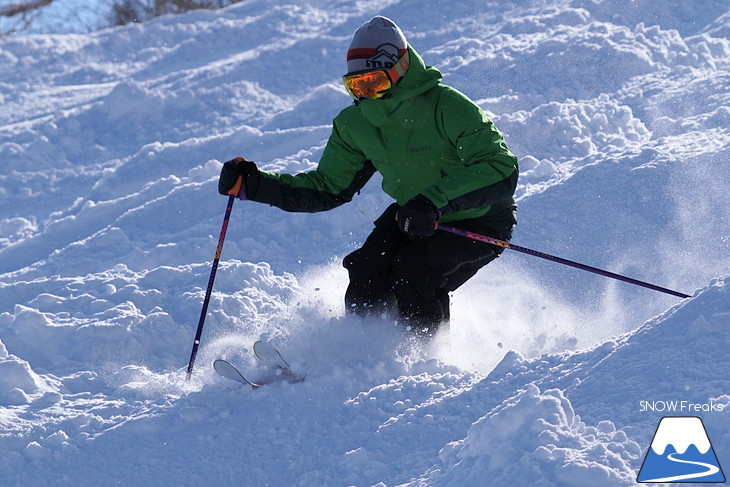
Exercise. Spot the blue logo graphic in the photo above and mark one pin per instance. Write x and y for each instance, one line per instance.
(681, 452)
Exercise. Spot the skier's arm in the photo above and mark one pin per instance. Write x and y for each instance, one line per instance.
(342, 171)
(490, 170)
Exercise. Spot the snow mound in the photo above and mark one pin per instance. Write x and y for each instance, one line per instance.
(537, 435)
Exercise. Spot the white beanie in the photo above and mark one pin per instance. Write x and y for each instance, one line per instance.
(377, 44)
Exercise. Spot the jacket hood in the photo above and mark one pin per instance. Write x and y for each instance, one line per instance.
(418, 79)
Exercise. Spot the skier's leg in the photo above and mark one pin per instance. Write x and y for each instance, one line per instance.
(427, 269)
(370, 267)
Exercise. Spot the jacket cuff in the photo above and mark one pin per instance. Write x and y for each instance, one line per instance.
(260, 186)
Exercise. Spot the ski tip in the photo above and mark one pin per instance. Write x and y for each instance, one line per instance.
(229, 371)
(269, 355)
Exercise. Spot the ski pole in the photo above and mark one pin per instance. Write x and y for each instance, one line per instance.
(560, 260)
(199, 333)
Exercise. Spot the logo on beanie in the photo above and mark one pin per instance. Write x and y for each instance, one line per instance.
(385, 57)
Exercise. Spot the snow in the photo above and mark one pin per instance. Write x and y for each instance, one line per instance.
(111, 144)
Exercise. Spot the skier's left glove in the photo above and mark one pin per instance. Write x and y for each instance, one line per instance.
(418, 217)
(235, 168)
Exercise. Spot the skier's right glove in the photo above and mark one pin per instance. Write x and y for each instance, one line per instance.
(236, 168)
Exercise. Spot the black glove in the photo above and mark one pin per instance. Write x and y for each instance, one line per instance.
(418, 217)
(239, 167)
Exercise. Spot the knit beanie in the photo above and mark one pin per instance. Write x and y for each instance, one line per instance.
(377, 44)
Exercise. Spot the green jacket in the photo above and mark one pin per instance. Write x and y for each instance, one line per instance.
(423, 137)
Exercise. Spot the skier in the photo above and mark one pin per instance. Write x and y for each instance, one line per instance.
(441, 160)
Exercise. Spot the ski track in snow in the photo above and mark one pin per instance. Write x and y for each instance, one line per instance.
(110, 147)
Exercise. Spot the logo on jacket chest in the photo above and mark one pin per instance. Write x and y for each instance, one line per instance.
(422, 148)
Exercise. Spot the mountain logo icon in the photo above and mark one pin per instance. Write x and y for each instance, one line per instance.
(680, 452)
(386, 55)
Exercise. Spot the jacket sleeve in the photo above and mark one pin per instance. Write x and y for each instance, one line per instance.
(342, 171)
(490, 170)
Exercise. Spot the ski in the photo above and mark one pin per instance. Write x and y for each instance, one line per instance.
(268, 355)
(229, 371)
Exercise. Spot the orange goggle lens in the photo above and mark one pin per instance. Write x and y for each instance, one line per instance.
(367, 85)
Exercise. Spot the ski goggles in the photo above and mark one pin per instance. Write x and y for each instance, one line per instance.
(374, 84)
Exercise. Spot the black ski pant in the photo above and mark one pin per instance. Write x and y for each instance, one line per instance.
(411, 276)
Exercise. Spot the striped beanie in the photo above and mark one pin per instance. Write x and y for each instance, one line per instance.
(377, 44)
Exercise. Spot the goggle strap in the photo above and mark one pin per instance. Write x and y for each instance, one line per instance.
(401, 66)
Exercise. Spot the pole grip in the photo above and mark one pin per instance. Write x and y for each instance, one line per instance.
(236, 187)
